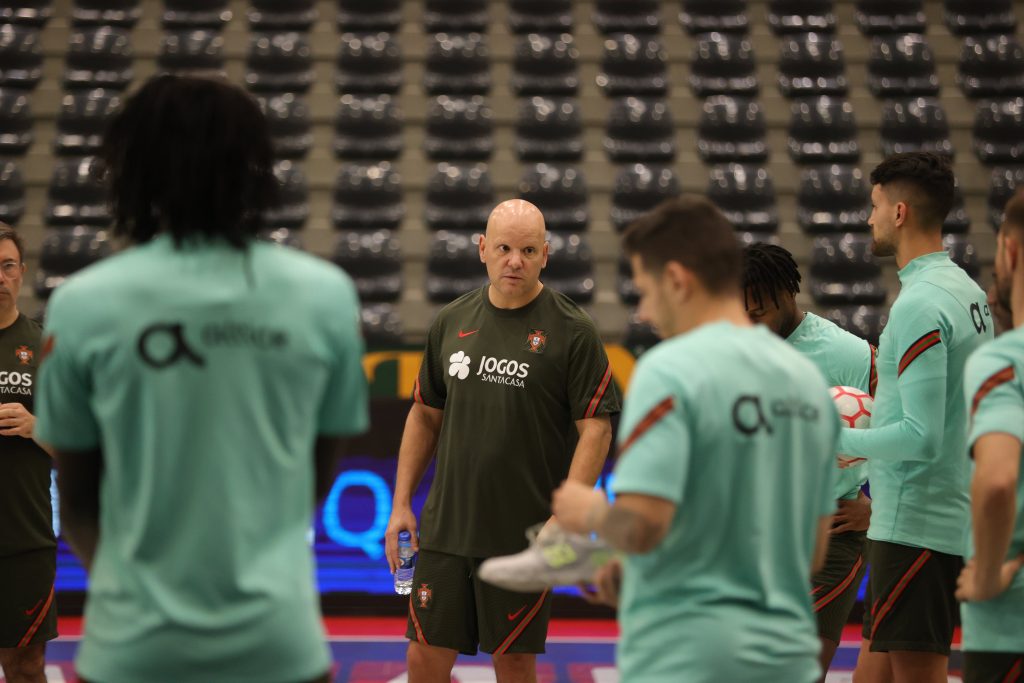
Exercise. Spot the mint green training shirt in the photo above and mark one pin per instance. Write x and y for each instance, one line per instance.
(737, 429)
(918, 433)
(846, 360)
(994, 390)
(204, 375)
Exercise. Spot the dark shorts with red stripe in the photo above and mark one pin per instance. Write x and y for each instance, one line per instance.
(28, 613)
(451, 608)
(910, 604)
(835, 587)
(993, 667)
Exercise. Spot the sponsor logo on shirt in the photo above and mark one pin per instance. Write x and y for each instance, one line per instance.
(490, 369)
(749, 413)
(536, 341)
(16, 383)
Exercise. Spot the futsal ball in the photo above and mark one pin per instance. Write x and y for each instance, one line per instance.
(854, 408)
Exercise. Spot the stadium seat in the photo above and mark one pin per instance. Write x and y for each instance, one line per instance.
(570, 268)
(289, 122)
(197, 50)
(455, 16)
(82, 120)
(973, 17)
(119, 13)
(844, 271)
(77, 195)
(459, 128)
(453, 265)
(963, 253)
(823, 130)
(292, 211)
(33, 13)
(639, 188)
(639, 336)
(459, 197)
(627, 16)
(633, 65)
(639, 130)
(12, 193)
(21, 57)
(1004, 182)
(731, 129)
(958, 220)
(875, 17)
(273, 16)
(67, 250)
(381, 325)
(560, 192)
(999, 132)
(367, 196)
(189, 14)
(723, 64)
(99, 58)
(369, 63)
(549, 130)
(811, 64)
(361, 16)
(867, 322)
(457, 64)
(373, 259)
(991, 66)
(746, 238)
(801, 16)
(746, 196)
(282, 237)
(540, 16)
(833, 198)
(15, 122)
(545, 65)
(279, 62)
(628, 293)
(915, 125)
(714, 16)
(901, 66)
(367, 127)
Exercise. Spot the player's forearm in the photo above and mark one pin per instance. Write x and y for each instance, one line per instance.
(419, 441)
(591, 450)
(993, 513)
(916, 436)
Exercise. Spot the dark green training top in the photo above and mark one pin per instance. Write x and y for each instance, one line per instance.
(512, 383)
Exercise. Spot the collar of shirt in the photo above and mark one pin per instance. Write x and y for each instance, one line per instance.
(919, 265)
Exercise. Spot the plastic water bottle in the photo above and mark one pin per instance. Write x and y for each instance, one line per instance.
(406, 564)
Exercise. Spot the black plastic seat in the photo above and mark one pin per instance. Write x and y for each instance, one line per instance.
(963, 253)
(560, 192)
(15, 122)
(633, 65)
(823, 130)
(958, 220)
(290, 124)
(34, 13)
(639, 336)
(459, 197)
(21, 57)
(844, 271)
(539, 16)
(373, 259)
(867, 322)
(279, 62)
(549, 130)
(746, 196)
(811, 64)
(875, 17)
(639, 188)
(362, 16)
(833, 198)
(367, 196)
(640, 130)
(453, 265)
(973, 17)
(627, 16)
(99, 58)
(119, 13)
(198, 50)
(723, 64)
(714, 16)
(570, 268)
(292, 210)
(367, 127)
(65, 251)
(381, 325)
(189, 14)
(999, 132)
(12, 193)
(459, 128)
(991, 66)
(624, 284)
(82, 120)
(369, 63)
(457, 64)
(731, 129)
(801, 16)
(901, 66)
(1004, 182)
(915, 125)
(77, 195)
(545, 65)
(272, 16)
(282, 237)
(455, 15)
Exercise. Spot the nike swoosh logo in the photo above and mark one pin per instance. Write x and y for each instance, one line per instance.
(30, 612)
(466, 334)
(512, 616)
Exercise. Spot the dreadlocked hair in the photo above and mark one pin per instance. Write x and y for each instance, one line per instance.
(767, 270)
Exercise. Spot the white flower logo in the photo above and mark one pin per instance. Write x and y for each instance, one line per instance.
(459, 365)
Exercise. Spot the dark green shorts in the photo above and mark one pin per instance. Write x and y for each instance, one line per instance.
(28, 614)
(993, 667)
(451, 608)
(835, 587)
(910, 604)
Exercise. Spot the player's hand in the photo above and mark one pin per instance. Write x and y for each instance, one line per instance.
(15, 420)
(572, 504)
(852, 515)
(607, 582)
(973, 587)
(402, 519)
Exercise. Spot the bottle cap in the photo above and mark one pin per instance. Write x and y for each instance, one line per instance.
(404, 536)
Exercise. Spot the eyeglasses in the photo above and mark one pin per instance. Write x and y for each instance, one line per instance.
(10, 269)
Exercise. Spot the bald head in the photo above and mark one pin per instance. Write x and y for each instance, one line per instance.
(515, 251)
(516, 212)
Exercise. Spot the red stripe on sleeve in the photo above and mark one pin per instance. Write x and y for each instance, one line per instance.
(926, 342)
(650, 419)
(997, 379)
(602, 387)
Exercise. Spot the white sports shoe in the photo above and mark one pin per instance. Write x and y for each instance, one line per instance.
(559, 558)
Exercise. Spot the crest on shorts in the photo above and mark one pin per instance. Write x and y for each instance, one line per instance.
(24, 354)
(424, 595)
(536, 341)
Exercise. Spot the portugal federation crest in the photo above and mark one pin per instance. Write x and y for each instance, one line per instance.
(24, 354)
(424, 595)
(536, 341)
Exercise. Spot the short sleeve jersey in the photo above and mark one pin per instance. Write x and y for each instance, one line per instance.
(737, 429)
(204, 374)
(844, 359)
(918, 433)
(26, 517)
(512, 383)
(994, 394)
